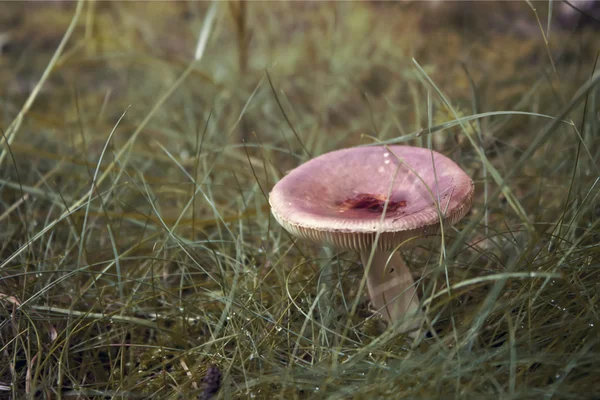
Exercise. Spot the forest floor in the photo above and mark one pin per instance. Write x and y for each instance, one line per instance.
(138, 256)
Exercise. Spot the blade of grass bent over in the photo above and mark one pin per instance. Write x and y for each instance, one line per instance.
(162, 99)
(512, 200)
(13, 128)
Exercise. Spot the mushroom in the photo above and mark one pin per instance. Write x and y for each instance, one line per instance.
(393, 197)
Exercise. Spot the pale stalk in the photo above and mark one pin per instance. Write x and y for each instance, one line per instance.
(392, 290)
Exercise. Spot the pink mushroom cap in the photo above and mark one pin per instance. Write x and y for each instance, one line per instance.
(338, 198)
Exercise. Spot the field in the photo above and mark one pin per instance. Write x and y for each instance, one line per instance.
(140, 140)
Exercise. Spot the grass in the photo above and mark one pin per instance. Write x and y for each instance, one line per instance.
(138, 258)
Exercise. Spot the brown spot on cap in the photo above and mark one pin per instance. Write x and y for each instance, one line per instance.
(370, 203)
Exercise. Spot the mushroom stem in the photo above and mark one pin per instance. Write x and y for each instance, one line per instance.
(392, 290)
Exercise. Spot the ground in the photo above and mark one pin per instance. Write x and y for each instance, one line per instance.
(138, 257)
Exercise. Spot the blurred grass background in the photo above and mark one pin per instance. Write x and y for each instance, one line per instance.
(136, 247)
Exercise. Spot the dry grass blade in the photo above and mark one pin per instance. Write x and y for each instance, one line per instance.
(14, 127)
